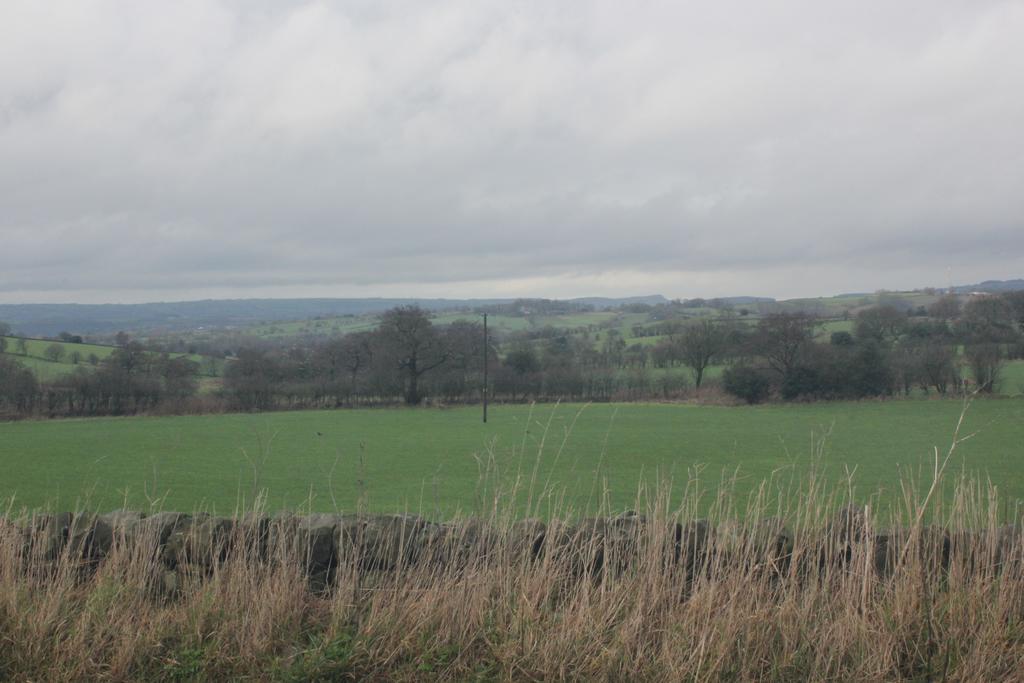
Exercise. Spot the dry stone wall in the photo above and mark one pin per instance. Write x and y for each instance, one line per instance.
(321, 544)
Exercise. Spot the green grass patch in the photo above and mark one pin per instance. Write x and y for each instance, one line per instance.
(37, 360)
(46, 370)
(824, 330)
(1011, 381)
(37, 348)
(430, 460)
(316, 326)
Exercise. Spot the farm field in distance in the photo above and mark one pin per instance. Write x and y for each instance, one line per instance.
(427, 460)
(74, 356)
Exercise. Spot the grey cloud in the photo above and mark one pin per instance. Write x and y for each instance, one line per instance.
(229, 146)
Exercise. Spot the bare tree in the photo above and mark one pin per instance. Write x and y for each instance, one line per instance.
(1015, 300)
(987, 319)
(783, 338)
(946, 308)
(339, 362)
(883, 324)
(986, 361)
(131, 357)
(700, 345)
(357, 354)
(938, 366)
(413, 345)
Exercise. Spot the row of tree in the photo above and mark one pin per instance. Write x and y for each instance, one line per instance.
(407, 359)
(888, 352)
(129, 381)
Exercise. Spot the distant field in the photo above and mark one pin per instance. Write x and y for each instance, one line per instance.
(826, 329)
(429, 459)
(495, 323)
(37, 348)
(36, 360)
(835, 305)
(46, 370)
(498, 323)
(322, 326)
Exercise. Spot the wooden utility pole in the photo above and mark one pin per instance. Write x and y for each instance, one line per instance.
(487, 355)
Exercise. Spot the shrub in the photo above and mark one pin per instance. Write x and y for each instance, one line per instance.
(54, 352)
(747, 383)
(842, 338)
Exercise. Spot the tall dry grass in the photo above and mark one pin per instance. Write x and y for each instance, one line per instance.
(791, 583)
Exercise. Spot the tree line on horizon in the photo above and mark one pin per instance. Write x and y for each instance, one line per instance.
(408, 359)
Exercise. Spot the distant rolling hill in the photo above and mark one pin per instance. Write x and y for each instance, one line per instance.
(51, 319)
(992, 286)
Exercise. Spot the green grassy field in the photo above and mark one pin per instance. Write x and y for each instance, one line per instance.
(36, 360)
(496, 323)
(322, 326)
(45, 369)
(428, 460)
(37, 348)
(1011, 381)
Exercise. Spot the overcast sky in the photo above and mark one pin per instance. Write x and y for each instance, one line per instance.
(206, 148)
